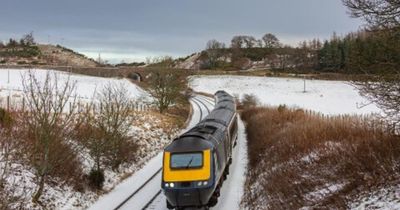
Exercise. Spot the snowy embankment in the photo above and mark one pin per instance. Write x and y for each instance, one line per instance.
(151, 131)
(327, 97)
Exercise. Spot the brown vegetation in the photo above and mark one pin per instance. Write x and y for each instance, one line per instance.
(62, 146)
(303, 159)
(47, 129)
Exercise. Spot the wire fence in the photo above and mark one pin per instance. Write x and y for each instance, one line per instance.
(18, 103)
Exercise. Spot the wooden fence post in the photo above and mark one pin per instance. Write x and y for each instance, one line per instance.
(23, 104)
(8, 103)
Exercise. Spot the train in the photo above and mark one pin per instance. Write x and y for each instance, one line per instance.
(196, 163)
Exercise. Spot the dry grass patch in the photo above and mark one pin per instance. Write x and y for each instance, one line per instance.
(303, 159)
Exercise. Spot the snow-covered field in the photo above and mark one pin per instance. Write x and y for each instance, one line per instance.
(327, 97)
(11, 84)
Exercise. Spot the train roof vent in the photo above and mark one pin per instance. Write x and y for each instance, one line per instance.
(226, 100)
(205, 129)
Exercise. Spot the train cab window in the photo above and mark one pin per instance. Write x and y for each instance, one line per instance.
(186, 160)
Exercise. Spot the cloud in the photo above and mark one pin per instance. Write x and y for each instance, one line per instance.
(127, 28)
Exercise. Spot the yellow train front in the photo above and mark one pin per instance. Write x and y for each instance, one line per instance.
(196, 163)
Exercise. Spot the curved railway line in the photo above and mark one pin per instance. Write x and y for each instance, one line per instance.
(204, 110)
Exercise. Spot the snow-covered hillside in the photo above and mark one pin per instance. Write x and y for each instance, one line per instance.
(327, 97)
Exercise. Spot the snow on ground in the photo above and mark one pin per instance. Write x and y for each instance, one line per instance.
(327, 97)
(384, 198)
(85, 85)
(151, 134)
(150, 130)
(232, 189)
(131, 184)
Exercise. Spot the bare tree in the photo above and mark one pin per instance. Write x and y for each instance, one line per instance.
(165, 88)
(270, 41)
(243, 42)
(377, 13)
(214, 44)
(48, 124)
(105, 130)
(114, 121)
(237, 42)
(383, 15)
(250, 41)
(385, 93)
(28, 39)
(213, 50)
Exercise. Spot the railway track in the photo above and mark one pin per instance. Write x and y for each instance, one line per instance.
(207, 99)
(153, 183)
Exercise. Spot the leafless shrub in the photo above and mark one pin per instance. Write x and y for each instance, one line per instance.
(382, 17)
(5, 118)
(302, 159)
(114, 121)
(48, 127)
(106, 131)
(165, 87)
(249, 101)
(11, 192)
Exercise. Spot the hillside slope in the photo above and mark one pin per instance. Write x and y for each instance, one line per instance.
(43, 54)
(63, 56)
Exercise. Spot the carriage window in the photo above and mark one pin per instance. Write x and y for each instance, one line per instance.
(186, 160)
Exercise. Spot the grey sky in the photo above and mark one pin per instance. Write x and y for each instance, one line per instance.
(132, 30)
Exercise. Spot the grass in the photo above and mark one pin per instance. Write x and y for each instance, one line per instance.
(304, 159)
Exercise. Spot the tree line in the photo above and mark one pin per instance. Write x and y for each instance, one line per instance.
(26, 40)
(24, 47)
(357, 52)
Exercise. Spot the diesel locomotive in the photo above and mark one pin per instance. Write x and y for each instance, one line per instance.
(196, 163)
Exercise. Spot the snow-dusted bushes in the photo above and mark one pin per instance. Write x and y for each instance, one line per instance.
(105, 132)
(47, 127)
(5, 117)
(303, 159)
(9, 196)
(135, 136)
(248, 101)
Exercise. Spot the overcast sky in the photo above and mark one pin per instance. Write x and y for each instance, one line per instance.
(132, 30)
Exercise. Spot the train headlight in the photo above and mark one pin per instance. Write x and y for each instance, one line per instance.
(171, 184)
(166, 185)
(201, 183)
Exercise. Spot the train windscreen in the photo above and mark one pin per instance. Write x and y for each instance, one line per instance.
(186, 160)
